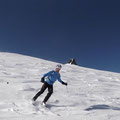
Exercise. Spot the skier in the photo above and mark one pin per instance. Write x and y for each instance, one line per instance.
(49, 79)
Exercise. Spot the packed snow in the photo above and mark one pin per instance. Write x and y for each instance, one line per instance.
(90, 94)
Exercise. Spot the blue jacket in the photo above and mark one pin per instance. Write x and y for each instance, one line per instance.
(51, 77)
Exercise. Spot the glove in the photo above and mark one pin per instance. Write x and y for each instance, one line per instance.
(42, 80)
(64, 83)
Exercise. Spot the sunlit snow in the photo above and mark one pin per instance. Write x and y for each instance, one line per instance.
(90, 94)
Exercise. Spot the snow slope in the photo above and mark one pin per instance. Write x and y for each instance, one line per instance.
(90, 94)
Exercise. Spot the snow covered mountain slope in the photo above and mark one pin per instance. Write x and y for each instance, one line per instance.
(90, 94)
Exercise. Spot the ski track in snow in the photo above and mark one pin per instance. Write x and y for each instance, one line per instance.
(90, 94)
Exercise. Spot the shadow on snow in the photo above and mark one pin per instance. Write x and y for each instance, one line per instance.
(102, 107)
(60, 106)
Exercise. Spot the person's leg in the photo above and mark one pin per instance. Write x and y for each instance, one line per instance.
(50, 91)
(45, 85)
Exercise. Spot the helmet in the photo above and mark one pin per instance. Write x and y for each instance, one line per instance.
(58, 66)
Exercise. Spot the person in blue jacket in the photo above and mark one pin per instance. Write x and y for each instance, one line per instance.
(49, 79)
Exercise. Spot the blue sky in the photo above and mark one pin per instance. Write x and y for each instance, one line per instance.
(58, 30)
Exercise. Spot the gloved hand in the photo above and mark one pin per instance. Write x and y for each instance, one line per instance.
(64, 83)
(42, 80)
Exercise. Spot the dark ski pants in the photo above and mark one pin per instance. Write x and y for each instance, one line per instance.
(50, 91)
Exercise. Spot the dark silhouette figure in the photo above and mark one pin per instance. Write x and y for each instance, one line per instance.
(72, 61)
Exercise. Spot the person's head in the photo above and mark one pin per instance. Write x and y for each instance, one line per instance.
(58, 67)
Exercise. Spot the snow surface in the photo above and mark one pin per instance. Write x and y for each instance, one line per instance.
(90, 94)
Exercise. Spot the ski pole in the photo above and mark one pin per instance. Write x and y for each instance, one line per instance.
(67, 89)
